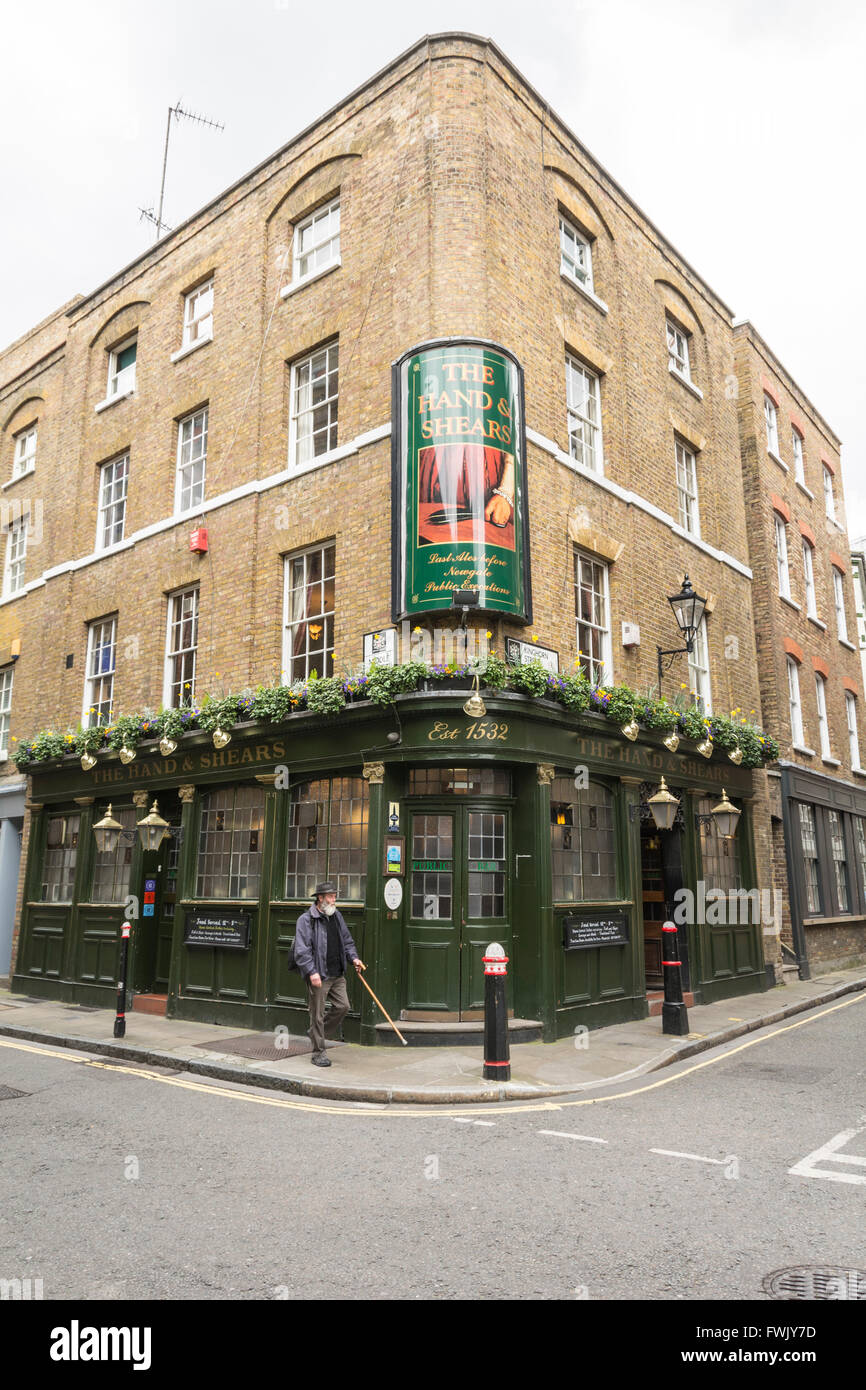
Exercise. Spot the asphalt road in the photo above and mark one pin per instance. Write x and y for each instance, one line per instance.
(116, 1184)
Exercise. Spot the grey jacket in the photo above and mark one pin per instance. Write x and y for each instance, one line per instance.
(311, 942)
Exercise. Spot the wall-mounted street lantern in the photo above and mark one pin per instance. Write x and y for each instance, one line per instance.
(152, 830)
(688, 609)
(661, 809)
(724, 816)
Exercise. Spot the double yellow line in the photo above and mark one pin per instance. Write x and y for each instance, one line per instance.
(389, 1111)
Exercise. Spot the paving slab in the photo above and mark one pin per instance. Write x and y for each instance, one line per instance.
(427, 1076)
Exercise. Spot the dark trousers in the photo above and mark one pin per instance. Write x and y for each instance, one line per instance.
(321, 1025)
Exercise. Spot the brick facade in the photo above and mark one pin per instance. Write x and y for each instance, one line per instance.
(452, 174)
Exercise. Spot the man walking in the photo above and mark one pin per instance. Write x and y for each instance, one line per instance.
(322, 945)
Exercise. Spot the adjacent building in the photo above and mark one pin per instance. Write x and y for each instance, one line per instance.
(429, 346)
(808, 658)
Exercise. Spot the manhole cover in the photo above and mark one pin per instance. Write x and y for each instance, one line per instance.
(810, 1282)
(260, 1046)
(10, 1093)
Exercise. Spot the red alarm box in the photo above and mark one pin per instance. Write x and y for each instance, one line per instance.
(198, 541)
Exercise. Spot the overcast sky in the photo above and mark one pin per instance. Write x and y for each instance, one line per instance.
(738, 127)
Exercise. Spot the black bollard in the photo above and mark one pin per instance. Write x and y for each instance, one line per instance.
(497, 1064)
(675, 1018)
(120, 1020)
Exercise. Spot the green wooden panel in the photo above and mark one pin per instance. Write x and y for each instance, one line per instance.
(614, 971)
(43, 944)
(721, 954)
(745, 951)
(577, 972)
(198, 971)
(432, 975)
(97, 956)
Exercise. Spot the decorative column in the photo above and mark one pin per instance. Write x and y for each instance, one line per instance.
(632, 870)
(549, 961)
(185, 887)
(374, 774)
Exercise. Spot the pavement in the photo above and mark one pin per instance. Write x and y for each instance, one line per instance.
(603, 1057)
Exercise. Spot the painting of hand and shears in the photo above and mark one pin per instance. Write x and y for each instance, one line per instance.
(465, 493)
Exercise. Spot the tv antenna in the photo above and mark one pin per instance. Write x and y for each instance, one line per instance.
(179, 114)
(148, 215)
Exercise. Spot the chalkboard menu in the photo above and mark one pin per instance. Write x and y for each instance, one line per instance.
(585, 929)
(231, 929)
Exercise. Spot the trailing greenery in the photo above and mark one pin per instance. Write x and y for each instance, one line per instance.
(327, 696)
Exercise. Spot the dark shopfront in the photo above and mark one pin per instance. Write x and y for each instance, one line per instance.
(824, 820)
(483, 824)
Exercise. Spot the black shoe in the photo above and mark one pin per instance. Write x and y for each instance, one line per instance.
(319, 1059)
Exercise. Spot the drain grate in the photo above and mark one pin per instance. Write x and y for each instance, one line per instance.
(809, 1283)
(260, 1046)
(10, 1093)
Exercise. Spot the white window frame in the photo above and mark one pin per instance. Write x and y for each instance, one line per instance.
(829, 499)
(176, 618)
(678, 349)
(17, 532)
(107, 505)
(575, 255)
(823, 726)
(771, 421)
(687, 488)
(699, 669)
(6, 677)
(307, 373)
(187, 464)
(809, 580)
(584, 415)
(795, 704)
(782, 569)
(291, 664)
(197, 315)
(839, 603)
(853, 738)
(797, 449)
(598, 672)
(96, 642)
(122, 383)
(24, 458)
(323, 247)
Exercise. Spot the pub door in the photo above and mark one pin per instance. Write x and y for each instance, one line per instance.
(458, 902)
(154, 929)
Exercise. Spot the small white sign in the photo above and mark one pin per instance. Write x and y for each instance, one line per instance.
(393, 893)
(380, 647)
(393, 815)
(524, 652)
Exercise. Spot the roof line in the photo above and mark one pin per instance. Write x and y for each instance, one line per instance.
(422, 43)
(746, 325)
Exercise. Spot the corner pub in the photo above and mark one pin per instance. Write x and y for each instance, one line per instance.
(446, 819)
(432, 437)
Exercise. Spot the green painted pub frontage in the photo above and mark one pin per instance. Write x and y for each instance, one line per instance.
(528, 826)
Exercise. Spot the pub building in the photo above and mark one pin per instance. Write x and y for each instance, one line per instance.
(448, 819)
(425, 376)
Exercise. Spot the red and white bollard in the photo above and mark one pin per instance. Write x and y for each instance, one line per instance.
(497, 1063)
(120, 1019)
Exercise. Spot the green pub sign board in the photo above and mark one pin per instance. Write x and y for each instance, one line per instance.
(459, 518)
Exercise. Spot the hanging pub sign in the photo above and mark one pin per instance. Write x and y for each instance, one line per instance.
(459, 506)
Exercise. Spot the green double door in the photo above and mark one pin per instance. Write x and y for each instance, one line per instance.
(458, 902)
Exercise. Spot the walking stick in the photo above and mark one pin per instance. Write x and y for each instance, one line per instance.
(384, 1010)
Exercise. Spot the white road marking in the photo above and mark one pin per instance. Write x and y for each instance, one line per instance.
(585, 1138)
(829, 1153)
(466, 1121)
(699, 1158)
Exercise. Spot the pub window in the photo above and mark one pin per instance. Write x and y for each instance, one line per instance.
(840, 862)
(58, 865)
(328, 837)
(720, 857)
(111, 868)
(230, 843)
(809, 847)
(462, 781)
(582, 842)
